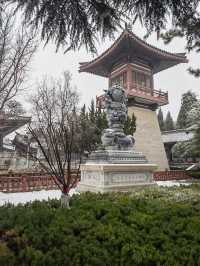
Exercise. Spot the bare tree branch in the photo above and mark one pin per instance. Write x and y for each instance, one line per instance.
(17, 47)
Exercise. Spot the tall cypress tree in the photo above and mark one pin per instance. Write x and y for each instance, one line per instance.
(161, 120)
(92, 111)
(187, 101)
(100, 123)
(169, 123)
(130, 125)
(83, 113)
(196, 142)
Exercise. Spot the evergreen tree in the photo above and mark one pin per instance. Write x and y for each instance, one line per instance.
(187, 101)
(98, 118)
(193, 115)
(161, 120)
(83, 114)
(92, 112)
(100, 123)
(196, 142)
(193, 119)
(75, 23)
(169, 123)
(130, 125)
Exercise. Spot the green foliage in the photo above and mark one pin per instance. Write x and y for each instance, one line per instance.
(76, 23)
(161, 120)
(101, 123)
(187, 101)
(169, 123)
(187, 26)
(97, 117)
(183, 150)
(92, 112)
(196, 141)
(194, 114)
(144, 228)
(130, 125)
(194, 174)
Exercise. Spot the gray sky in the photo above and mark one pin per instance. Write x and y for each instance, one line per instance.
(175, 80)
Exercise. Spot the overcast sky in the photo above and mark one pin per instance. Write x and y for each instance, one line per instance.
(175, 80)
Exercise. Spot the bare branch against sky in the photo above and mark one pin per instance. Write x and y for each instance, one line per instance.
(17, 47)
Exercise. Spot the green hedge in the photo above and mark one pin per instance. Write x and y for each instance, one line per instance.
(194, 174)
(113, 229)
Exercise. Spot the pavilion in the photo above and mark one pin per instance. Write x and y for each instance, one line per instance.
(132, 63)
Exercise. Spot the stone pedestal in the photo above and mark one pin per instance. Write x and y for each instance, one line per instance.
(104, 177)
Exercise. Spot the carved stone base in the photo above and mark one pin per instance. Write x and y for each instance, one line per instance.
(115, 177)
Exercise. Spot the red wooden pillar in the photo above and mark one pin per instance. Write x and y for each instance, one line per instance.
(129, 78)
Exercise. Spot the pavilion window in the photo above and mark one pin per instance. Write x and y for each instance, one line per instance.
(120, 79)
(141, 79)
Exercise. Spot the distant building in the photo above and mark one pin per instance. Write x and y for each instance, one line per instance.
(170, 138)
(8, 124)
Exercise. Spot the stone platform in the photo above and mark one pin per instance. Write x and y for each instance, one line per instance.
(109, 177)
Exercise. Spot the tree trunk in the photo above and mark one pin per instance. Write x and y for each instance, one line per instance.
(64, 200)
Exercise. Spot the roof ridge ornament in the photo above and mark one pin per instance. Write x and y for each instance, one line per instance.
(128, 26)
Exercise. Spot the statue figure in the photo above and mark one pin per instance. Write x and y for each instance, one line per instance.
(116, 114)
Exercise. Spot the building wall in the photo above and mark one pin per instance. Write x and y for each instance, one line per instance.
(148, 139)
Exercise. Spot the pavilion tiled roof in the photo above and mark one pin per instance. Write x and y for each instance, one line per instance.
(130, 45)
(10, 123)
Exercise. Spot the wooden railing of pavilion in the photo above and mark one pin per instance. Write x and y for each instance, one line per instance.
(154, 95)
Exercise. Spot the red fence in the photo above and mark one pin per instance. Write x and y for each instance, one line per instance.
(34, 181)
(171, 175)
(26, 183)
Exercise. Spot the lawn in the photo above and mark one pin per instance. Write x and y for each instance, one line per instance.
(153, 226)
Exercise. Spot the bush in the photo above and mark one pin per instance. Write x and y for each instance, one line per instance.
(194, 174)
(112, 229)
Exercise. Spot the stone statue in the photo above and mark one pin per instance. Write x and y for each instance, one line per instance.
(116, 166)
(116, 114)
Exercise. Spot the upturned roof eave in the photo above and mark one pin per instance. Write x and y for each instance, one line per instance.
(13, 124)
(89, 66)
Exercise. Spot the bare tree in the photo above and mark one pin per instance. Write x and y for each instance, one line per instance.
(14, 108)
(59, 132)
(17, 47)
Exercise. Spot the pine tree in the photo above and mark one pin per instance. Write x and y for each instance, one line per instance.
(193, 115)
(161, 120)
(169, 123)
(100, 123)
(196, 142)
(130, 125)
(187, 101)
(76, 23)
(92, 112)
(83, 112)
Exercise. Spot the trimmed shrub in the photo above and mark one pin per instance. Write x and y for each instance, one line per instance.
(194, 174)
(112, 229)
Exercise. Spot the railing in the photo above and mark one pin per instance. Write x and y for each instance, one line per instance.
(26, 182)
(154, 95)
(171, 175)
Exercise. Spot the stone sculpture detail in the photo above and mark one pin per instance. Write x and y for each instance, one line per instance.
(114, 138)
